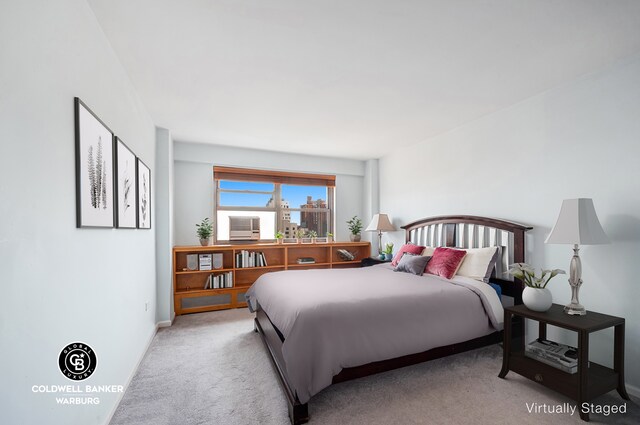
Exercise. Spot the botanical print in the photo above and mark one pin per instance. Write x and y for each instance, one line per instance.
(144, 196)
(97, 177)
(126, 189)
(144, 200)
(94, 168)
(125, 186)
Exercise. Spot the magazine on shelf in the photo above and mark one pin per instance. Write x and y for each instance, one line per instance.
(560, 356)
(306, 260)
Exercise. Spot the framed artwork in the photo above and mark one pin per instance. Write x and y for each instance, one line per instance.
(144, 195)
(94, 169)
(125, 187)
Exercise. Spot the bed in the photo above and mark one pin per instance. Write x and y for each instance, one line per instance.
(322, 327)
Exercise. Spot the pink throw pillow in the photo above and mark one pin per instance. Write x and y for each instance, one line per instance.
(408, 247)
(445, 262)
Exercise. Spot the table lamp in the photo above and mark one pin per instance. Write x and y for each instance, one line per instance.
(380, 223)
(577, 224)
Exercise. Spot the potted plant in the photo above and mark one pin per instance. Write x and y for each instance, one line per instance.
(355, 227)
(535, 296)
(388, 252)
(329, 237)
(204, 231)
(299, 235)
(279, 236)
(313, 235)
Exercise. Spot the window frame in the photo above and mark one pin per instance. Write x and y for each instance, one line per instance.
(277, 178)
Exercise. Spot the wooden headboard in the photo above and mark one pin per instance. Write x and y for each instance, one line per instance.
(467, 231)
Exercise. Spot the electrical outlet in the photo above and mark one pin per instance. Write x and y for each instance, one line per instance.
(146, 306)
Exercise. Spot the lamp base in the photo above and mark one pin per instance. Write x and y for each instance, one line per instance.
(575, 281)
(575, 309)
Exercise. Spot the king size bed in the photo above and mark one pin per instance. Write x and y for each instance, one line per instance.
(322, 327)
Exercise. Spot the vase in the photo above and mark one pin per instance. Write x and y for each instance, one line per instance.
(205, 242)
(355, 238)
(388, 257)
(537, 299)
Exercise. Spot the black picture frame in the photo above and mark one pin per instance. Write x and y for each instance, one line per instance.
(143, 195)
(94, 169)
(125, 195)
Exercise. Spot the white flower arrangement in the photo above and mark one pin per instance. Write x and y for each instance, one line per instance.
(527, 274)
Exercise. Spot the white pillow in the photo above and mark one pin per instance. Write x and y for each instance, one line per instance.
(428, 251)
(478, 263)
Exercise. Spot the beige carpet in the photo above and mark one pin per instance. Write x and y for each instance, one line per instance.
(211, 368)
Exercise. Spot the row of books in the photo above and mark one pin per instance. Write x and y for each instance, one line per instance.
(250, 259)
(219, 281)
(560, 356)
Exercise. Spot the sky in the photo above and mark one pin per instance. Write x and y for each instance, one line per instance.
(296, 195)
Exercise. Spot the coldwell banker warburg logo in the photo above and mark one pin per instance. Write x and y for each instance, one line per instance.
(77, 361)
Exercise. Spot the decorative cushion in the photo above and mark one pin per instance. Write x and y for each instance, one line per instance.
(479, 263)
(412, 263)
(408, 247)
(428, 251)
(445, 262)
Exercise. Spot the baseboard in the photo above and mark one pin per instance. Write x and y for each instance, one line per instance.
(164, 324)
(167, 323)
(132, 374)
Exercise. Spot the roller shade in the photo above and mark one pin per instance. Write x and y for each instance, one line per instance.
(248, 175)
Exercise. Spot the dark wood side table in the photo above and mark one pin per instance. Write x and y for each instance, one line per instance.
(592, 379)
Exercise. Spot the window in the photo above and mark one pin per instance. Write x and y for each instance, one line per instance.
(244, 198)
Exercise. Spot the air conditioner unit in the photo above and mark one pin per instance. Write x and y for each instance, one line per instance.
(244, 228)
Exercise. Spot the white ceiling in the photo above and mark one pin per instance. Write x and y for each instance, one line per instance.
(353, 78)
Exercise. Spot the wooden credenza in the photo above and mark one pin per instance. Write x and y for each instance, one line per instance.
(188, 285)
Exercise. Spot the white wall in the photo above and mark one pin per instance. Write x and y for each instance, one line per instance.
(579, 140)
(371, 200)
(59, 284)
(193, 199)
(164, 226)
(194, 182)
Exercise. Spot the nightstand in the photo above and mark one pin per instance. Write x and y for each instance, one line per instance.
(372, 261)
(592, 379)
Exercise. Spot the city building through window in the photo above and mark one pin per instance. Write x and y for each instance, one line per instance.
(246, 207)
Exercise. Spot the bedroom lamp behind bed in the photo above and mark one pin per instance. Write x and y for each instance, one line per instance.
(380, 223)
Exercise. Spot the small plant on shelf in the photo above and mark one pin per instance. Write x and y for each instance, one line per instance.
(355, 227)
(279, 236)
(313, 235)
(299, 235)
(329, 237)
(204, 231)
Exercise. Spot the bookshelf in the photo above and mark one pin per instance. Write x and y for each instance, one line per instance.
(188, 285)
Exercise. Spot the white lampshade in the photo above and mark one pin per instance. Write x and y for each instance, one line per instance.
(381, 223)
(577, 224)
